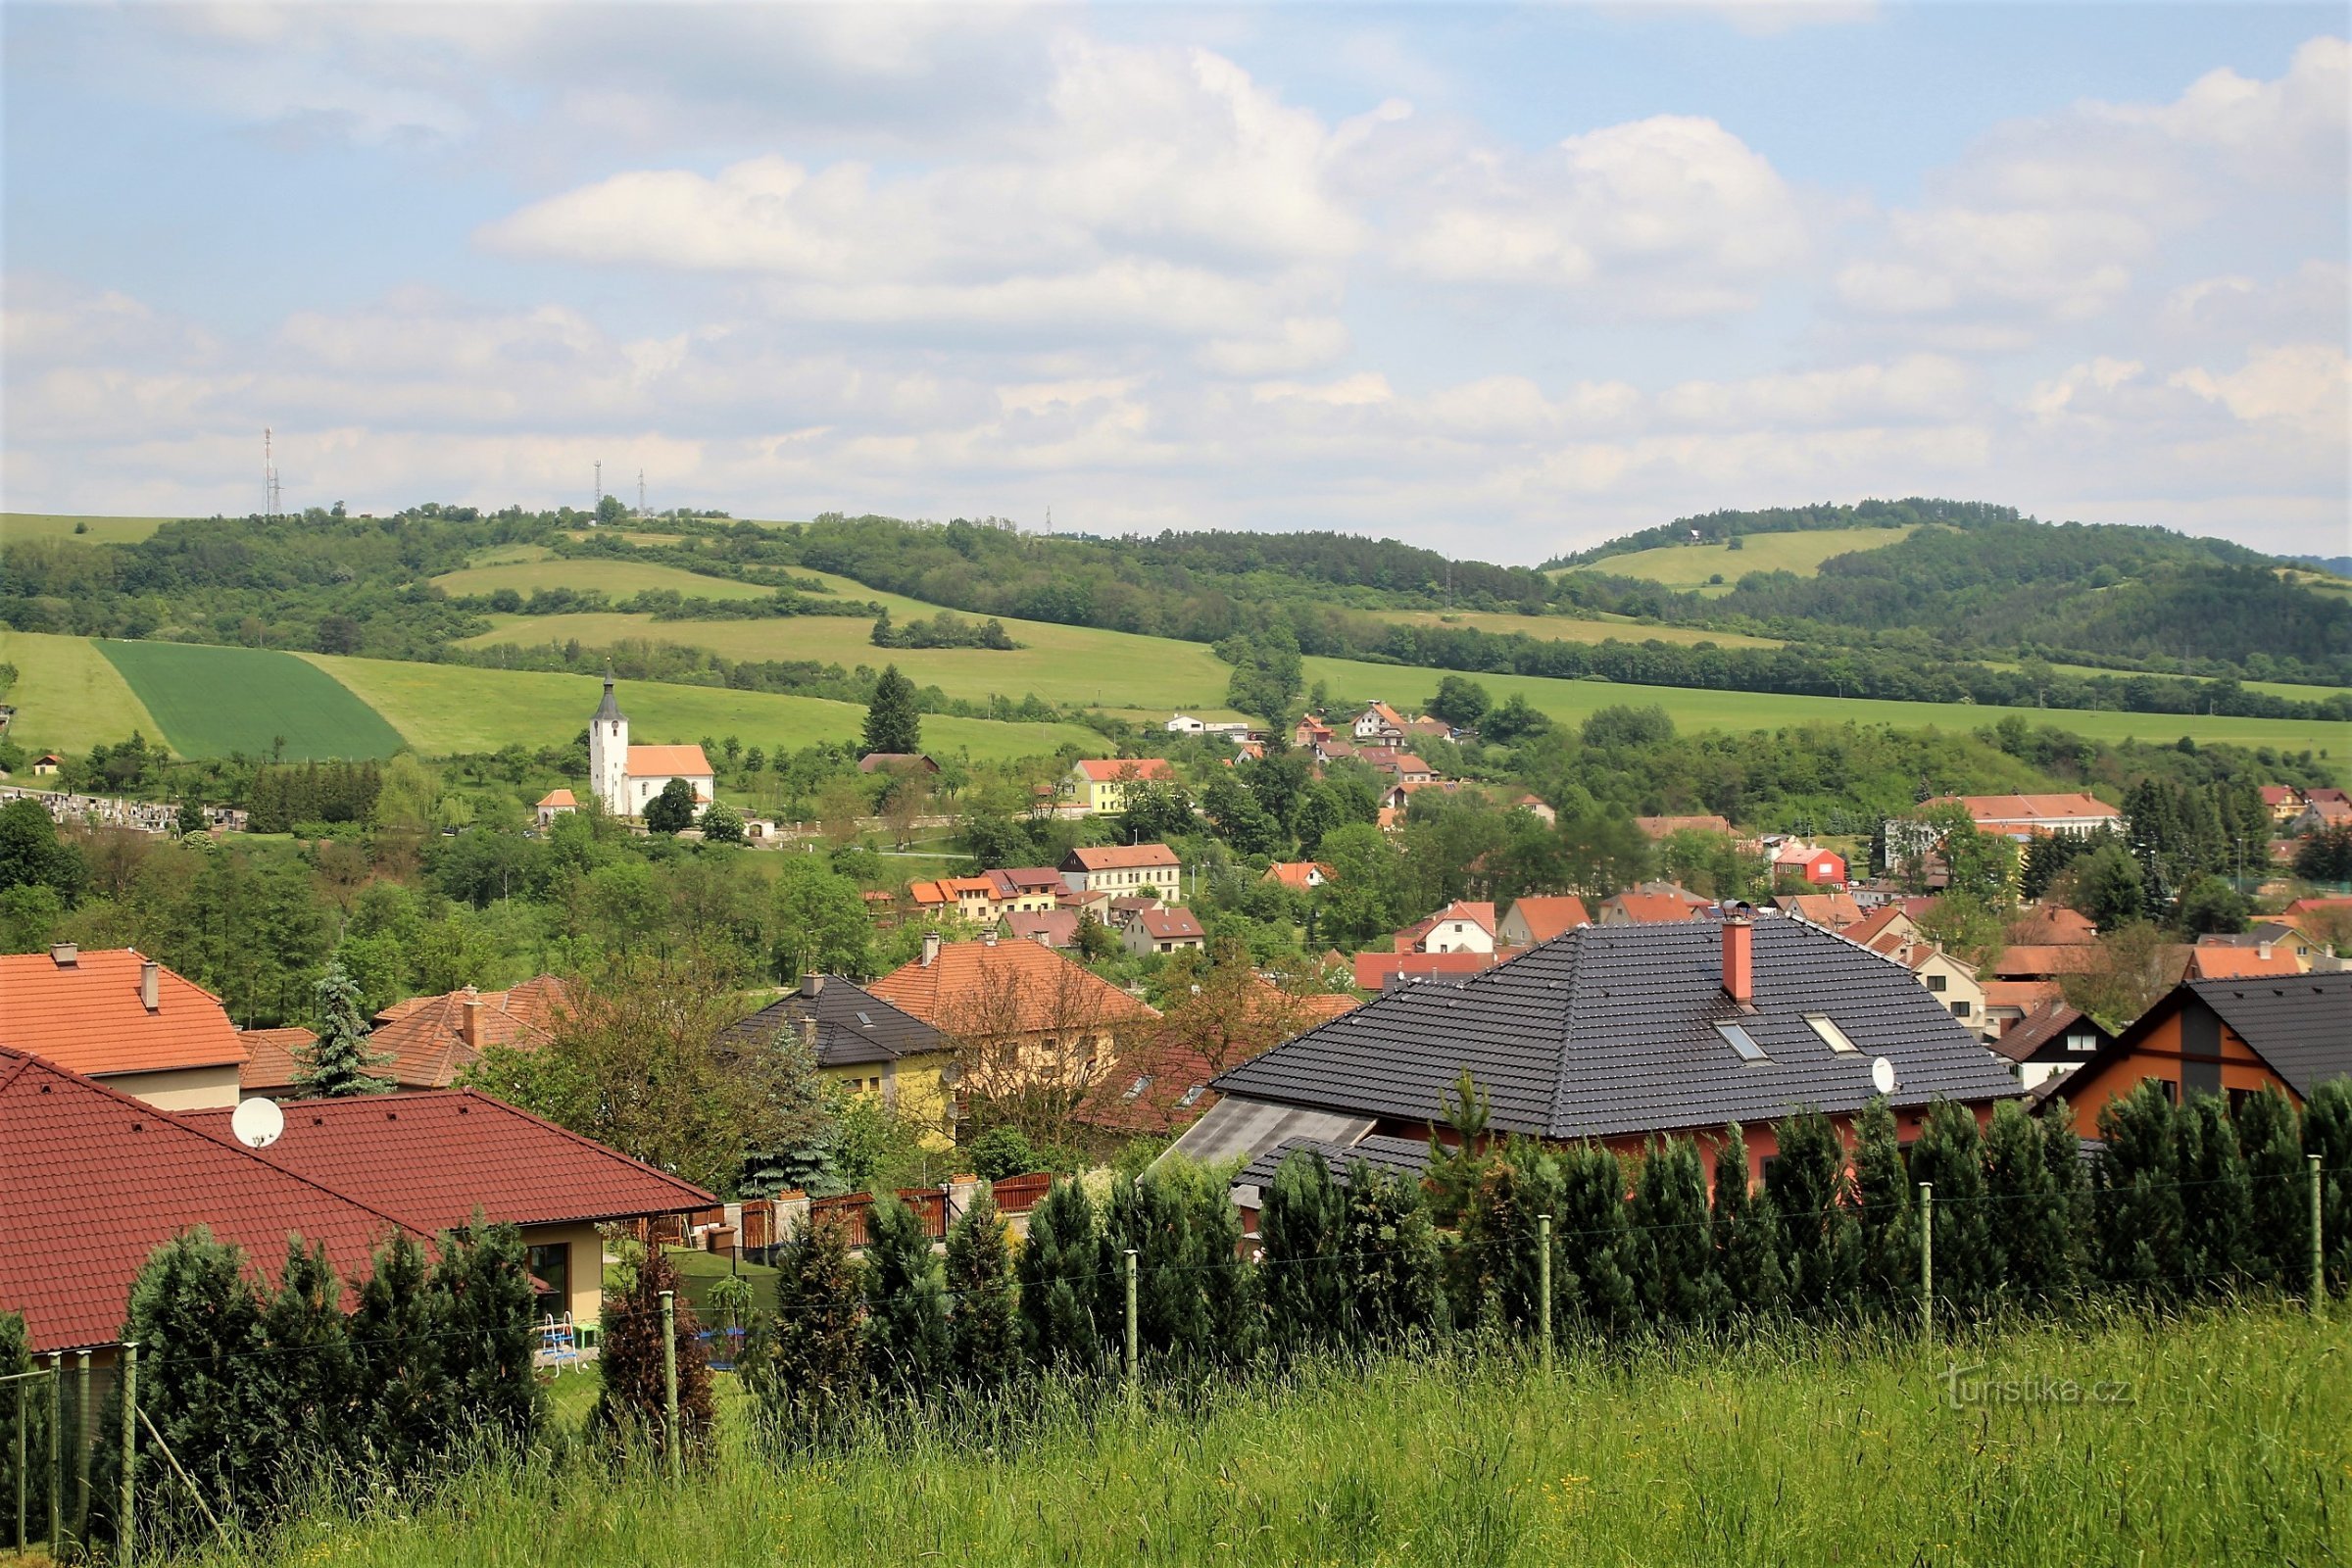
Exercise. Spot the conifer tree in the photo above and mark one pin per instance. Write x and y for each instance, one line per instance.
(1885, 1210)
(1237, 1322)
(1153, 1215)
(905, 1304)
(808, 1376)
(2278, 1189)
(404, 1388)
(2217, 1208)
(1595, 1270)
(1300, 1224)
(1681, 1284)
(633, 1404)
(194, 1312)
(1950, 1153)
(1819, 1240)
(2033, 1229)
(314, 1370)
(2069, 1183)
(2328, 1132)
(1747, 1235)
(15, 1356)
(984, 1334)
(891, 721)
(2137, 1199)
(336, 1063)
(483, 1279)
(1394, 1283)
(1059, 1269)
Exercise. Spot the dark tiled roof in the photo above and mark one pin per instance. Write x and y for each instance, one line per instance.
(2301, 1024)
(2042, 1028)
(1401, 1156)
(853, 1026)
(1611, 1029)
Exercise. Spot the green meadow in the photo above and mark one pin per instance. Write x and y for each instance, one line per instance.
(2220, 1438)
(68, 695)
(619, 579)
(1690, 566)
(440, 709)
(1568, 629)
(60, 525)
(212, 702)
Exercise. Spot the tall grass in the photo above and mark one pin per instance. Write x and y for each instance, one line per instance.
(2234, 1445)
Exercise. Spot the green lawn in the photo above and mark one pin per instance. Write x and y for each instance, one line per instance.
(619, 579)
(2222, 1439)
(212, 702)
(1690, 566)
(1572, 702)
(60, 525)
(1566, 629)
(440, 709)
(69, 696)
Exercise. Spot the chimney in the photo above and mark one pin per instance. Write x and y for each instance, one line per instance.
(811, 984)
(151, 985)
(65, 954)
(2262, 951)
(469, 1023)
(930, 949)
(1738, 958)
(987, 938)
(808, 1031)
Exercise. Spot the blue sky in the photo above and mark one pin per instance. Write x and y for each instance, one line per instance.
(1496, 279)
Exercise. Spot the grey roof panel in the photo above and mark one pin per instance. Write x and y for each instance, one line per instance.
(853, 1026)
(1237, 1126)
(1610, 1030)
(2300, 1024)
(1401, 1156)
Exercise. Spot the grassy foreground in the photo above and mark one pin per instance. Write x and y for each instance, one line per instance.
(2235, 1444)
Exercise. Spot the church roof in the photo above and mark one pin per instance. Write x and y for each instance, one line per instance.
(609, 710)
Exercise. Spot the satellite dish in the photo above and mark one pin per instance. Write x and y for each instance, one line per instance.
(257, 1123)
(1881, 1078)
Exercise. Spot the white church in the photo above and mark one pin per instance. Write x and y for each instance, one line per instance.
(626, 777)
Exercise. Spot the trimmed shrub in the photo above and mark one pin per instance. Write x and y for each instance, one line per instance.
(632, 1408)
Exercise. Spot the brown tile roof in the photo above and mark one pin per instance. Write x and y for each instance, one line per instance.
(1052, 928)
(1160, 1084)
(426, 1036)
(1122, 857)
(86, 1016)
(2071, 806)
(1373, 971)
(1836, 910)
(2239, 963)
(433, 1158)
(974, 987)
(2024, 995)
(270, 1062)
(2037, 1028)
(2023, 962)
(2054, 925)
(1649, 908)
(1866, 930)
(558, 798)
(1169, 925)
(1659, 827)
(97, 1180)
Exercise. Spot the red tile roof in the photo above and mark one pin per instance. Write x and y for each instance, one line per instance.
(97, 1180)
(1659, 827)
(270, 1065)
(1646, 909)
(2022, 961)
(990, 987)
(2020, 808)
(1110, 770)
(426, 1036)
(1160, 1084)
(2054, 925)
(1374, 969)
(1866, 930)
(1123, 857)
(1169, 925)
(86, 1016)
(683, 762)
(555, 798)
(2024, 995)
(1294, 873)
(433, 1158)
(1836, 910)
(2239, 963)
(1547, 914)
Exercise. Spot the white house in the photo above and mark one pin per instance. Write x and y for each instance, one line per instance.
(626, 777)
(1186, 724)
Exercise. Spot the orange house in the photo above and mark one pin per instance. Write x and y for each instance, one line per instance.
(2222, 1036)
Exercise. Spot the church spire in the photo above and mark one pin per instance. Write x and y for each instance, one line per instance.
(609, 712)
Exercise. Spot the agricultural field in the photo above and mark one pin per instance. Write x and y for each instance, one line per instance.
(1565, 629)
(2219, 1438)
(1063, 664)
(212, 702)
(619, 579)
(1572, 702)
(440, 709)
(60, 525)
(69, 696)
(1688, 566)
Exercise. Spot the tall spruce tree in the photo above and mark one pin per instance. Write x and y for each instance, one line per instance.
(2136, 1192)
(1820, 1245)
(891, 721)
(2217, 1208)
(906, 1303)
(1680, 1282)
(484, 1278)
(313, 1369)
(810, 1381)
(1153, 1215)
(336, 1063)
(1747, 1235)
(202, 1383)
(1394, 1283)
(404, 1388)
(1059, 1269)
(1950, 1153)
(1598, 1263)
(2328, 1132)
(2278, 1189)
(1884, 1207)
(1300, 1223)
(2069, 1181)
(984, 1332)
(632, 1406)
(2032, 1232)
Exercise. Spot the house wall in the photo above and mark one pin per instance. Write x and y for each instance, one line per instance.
(584, 1294)
(917, 1088)
(179, 1089)
(643, 787)
(1959, 991)
(2190, 1051)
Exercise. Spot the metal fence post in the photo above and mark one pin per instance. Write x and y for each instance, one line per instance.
(1543, 1288)
(125, 1530)
(1133, 1343)
(2319, 1259)
(669, 1381)
(1927, 1263)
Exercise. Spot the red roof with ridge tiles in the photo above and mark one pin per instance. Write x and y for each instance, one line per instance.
(86, 1016)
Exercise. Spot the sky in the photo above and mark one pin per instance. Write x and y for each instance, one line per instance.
(1504, 281)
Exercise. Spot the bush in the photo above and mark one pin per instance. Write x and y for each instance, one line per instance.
(1001, 1151)
(807, 1379)
(633, 1404)
(984, 1334)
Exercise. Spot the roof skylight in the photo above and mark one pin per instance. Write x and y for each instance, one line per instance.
(1740, 1041)
(1827, 1027)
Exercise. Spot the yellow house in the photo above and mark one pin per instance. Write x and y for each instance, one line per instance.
(1100, 783)
(866, 1046)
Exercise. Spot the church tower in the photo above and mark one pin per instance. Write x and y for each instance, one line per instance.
(608, 753)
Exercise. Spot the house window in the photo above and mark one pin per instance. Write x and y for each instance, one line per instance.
(1135, 1089)
(1742, 1042)
(551, 1266)
(1827, 1027)
(1959, 1010)
(2081, 1041)
(1934, 982)
(1187, 1100)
